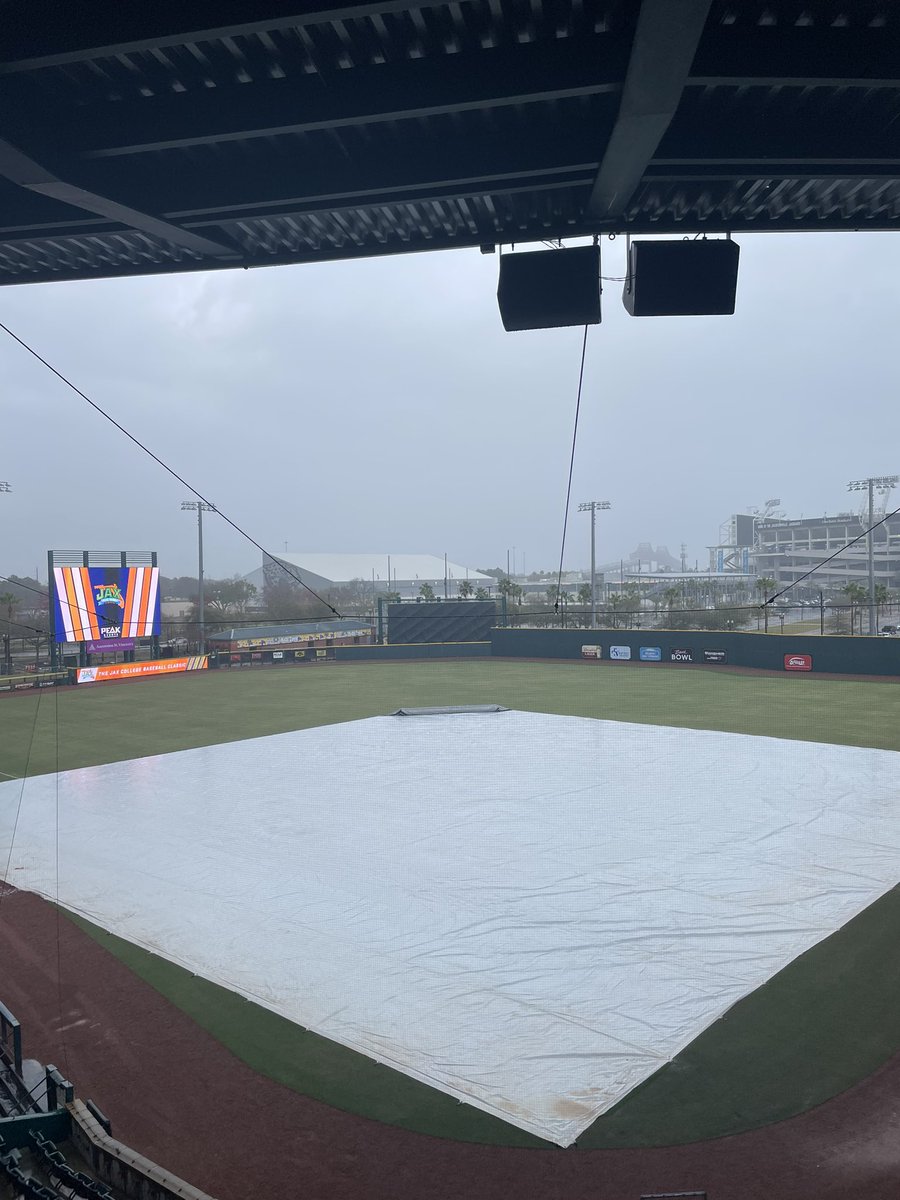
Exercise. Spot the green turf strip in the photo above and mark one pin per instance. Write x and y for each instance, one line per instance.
(780, 1051)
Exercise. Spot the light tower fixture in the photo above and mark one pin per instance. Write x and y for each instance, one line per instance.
(883, 483)
(4, 486)
(200, 507)
(592, 506)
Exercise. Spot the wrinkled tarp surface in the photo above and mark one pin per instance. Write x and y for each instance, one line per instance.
(533, 913)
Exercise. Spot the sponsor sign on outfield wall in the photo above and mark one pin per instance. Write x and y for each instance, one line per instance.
(681, 655)
(620, 653)
(591, 651)
(163, 666)
(715, 656)
(798, 662)
(651, 653)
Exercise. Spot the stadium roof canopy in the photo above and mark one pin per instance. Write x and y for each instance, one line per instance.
(344, 568)
(142, 138)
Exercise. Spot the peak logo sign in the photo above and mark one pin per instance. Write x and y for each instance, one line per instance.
(620, 653)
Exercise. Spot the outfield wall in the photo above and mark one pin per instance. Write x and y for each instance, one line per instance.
(768, 652)
(413, 650)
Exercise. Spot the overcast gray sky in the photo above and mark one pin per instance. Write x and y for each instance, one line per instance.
(379, 406)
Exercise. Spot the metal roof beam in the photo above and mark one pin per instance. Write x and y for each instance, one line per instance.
(363, 96)
(766, 56)
(106, 28)
(665, 42)
(20, 169)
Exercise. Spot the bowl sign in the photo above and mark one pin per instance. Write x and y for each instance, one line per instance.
(681, 656)
(798, 662)
(620, 653)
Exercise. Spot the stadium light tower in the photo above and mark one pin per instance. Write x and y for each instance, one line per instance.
(200, 507)
(592, 506)
(4, 487)
(884, 483)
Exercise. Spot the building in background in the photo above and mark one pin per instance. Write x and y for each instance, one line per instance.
(303, 641)
(378, 573)
(786, 549)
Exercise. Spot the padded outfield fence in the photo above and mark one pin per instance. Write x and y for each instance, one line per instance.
(649, 647)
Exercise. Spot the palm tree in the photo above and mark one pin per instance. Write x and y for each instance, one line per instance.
(856, 594)
(764, 585)
(882, 597)
(426, 591)
(465, 589)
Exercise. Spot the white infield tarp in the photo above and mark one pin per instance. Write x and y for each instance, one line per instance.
(531, 913)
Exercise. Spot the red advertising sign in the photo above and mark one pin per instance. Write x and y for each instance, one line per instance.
(798, 662)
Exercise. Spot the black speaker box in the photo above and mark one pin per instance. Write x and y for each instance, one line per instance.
(682, 279)
(547, 289)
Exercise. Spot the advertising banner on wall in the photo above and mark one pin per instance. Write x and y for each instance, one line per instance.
(651, 653)
(682, 655)
(591, 652)
(92, 604)
(798, 662)
(715, 656)
(620, 653)
(138, 670)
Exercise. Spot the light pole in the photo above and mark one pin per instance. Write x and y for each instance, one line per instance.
(591, 506)
(4, 486)
(883, 483)
(200, 508)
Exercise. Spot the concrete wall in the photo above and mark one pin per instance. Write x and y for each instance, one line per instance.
(122, 1168)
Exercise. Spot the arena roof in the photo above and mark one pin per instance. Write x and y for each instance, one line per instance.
(144, 138)
(405, 568)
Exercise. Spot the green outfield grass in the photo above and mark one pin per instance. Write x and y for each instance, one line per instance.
(780, 1051)
(108, 722)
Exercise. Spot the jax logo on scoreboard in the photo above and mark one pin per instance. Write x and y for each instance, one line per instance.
(108, 593)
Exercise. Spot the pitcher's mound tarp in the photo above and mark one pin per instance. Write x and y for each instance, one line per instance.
(532, 914)
(448, 709)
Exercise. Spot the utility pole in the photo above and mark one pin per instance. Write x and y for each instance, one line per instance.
(200, 508)
(4, 487)
(591, 506)
(884, 483)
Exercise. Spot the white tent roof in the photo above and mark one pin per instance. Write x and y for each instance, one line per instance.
(342, 568)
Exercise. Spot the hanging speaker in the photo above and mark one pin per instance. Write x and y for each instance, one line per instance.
(547, 289)
(682, 279)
